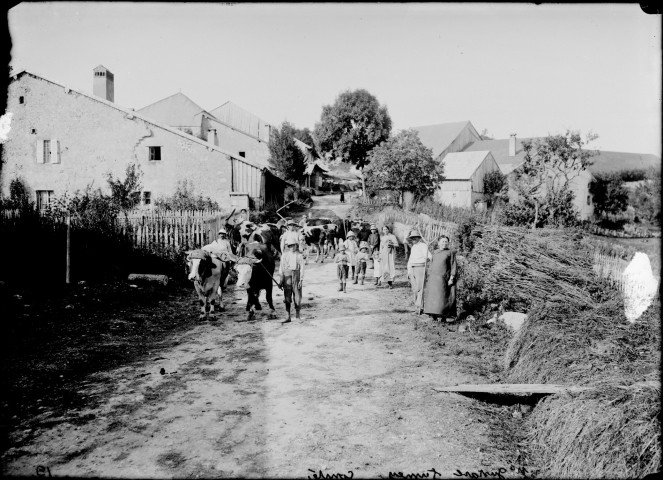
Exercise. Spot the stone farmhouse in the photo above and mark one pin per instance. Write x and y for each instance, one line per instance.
(62, 140)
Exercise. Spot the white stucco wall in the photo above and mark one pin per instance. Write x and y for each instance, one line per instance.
(96, 139)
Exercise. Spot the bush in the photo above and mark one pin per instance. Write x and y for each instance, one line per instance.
(185, 198)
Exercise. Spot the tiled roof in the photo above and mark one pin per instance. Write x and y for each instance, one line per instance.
(461, 165)
(500, 150)
(439, 137)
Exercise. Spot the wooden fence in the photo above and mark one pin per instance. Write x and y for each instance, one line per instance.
(178, 230)
(612, 268)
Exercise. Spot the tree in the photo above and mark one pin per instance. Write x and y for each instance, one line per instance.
(284, 155)
(350, 128)
(608, 193)
(126, 193)
(494, 186)
(647, 196)
(550, 164)
(485, 135)
(403, 164)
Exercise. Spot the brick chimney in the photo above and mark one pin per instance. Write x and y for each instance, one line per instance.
(211, 136)
(512, 145)
(103, 83)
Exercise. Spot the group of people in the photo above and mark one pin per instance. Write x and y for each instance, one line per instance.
(432, 275)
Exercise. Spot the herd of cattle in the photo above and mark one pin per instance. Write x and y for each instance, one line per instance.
(255, 249)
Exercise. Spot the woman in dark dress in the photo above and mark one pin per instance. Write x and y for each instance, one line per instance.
(440, 283)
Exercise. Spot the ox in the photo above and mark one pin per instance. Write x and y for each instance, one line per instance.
(208, 273)
(247, 232)
(312, 237)
(255, 272)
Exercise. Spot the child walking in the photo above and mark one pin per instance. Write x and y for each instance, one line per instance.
(352, 249)
(377, 271)
(362, 262)
(342, 259)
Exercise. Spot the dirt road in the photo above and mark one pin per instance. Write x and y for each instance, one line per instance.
(347, 389)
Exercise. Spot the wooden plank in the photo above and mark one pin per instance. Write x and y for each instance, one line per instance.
(529, 388)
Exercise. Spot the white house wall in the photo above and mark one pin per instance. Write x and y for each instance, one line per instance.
(234, 141)
(96, 139)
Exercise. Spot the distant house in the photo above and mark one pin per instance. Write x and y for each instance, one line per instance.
(228, 126)
(62, 140)
(509, 155)
(464, 173)
(446, 138)
(315, 175)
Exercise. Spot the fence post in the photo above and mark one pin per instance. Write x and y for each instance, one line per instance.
(68, 271)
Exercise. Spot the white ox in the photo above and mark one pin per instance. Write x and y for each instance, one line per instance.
(208, 273)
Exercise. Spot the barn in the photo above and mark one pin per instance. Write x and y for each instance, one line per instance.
(463, 178)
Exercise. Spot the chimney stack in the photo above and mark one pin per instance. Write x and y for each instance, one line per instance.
(211, 136)
(512, 145)
(103, 83)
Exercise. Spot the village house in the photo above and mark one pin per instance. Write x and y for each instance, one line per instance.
(463, 178)
(509, 155)
(229, 127)
(62, 141)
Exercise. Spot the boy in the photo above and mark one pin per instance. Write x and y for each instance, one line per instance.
(362, 262)
(291, 270)
(342, 259)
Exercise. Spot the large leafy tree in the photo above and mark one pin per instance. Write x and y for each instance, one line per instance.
(608, 193)
(284, 155)
(403, 164)
(550, 165)
(352, 126)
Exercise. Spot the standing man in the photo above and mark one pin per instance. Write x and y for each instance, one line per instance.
(416, 268)
(220, 245)
(304, 221)
(291, 271)
(291, 234)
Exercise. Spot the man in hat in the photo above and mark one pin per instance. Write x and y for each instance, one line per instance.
(362, 262)
(416, 267)
(291, 271)
(373, 242)
(220, 245)
(291, 234)
(342, 260)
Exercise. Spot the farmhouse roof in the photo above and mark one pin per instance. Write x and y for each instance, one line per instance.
(603, 162)
(462, 165)
(130, 114)
(176, 110)
(241, 119)
(439, 137)
(310, 168)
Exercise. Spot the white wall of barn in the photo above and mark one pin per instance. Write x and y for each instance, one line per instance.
(95, 139)
(467, 136)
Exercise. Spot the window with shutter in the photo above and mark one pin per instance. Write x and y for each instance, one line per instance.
(147, 198)
(47, 151)
(55, 151)
(44, 198)
(40, 151)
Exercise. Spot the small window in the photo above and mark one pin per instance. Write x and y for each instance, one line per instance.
(242, 154)
(21, 99)
(44, 198)
(33, 131)
(147, 198)
(155, 153)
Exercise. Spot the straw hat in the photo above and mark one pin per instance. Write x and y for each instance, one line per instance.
(363, 245)
(414, 234)
(292, 222)
(351, 234)
(223, 230)
(373, 226)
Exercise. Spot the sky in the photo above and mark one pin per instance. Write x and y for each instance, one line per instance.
(508, 68)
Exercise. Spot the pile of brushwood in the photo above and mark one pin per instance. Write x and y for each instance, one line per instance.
(576, 333)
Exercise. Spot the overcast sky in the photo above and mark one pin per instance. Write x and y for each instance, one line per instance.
(508, 68)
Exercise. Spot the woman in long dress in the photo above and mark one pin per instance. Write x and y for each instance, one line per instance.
(388, 244)
(440, 284)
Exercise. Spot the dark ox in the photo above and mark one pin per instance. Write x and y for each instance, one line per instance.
(247, 232)
(312, 236)
(255, 273)
(360, 228)
(208, 274)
